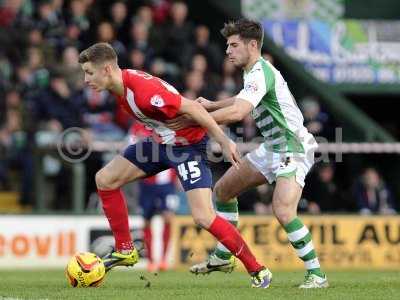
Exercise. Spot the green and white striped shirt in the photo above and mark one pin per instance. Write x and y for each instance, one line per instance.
(275, 110)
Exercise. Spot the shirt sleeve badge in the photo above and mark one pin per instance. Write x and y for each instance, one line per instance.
(251, 87)
(157, 101)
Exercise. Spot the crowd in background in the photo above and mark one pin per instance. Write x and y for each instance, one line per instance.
(42, 91)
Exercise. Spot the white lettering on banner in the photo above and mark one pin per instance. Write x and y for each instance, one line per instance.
(332, 53)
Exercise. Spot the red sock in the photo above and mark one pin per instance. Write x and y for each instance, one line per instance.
(166, 237)
(230, 237)
(148, 240)
(115, 209)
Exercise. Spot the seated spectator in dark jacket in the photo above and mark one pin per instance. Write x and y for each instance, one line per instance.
(372, 194)
(55, 107)
(120, 20)
(321, 193)
(177, 33)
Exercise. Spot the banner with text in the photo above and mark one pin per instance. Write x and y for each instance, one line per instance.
(346, 51)
(341, 242)
(50, 241)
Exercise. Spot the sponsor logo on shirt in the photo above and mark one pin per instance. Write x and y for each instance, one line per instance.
(251, 87)
(156, 100)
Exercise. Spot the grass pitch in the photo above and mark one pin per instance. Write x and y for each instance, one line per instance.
(46, 284)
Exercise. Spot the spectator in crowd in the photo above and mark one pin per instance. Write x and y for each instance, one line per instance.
(6, 70)
(119, 20)
(202, 45)
(155, 30)
(78, 16)
(70, 68)
(263, 205)
(98, 111)
(139, 39)
(55, 108)
(36, 40)
(144, 14)
(106, 34)
(199, 64)
(15, 146)
(168, 72)
(57, 6)
(372, 194)
(315, 120)
(230, 80)
(9, 11)
(194, 83)
(249, 129)
(160, 10)
(49, 22)
(177, 33)
(321, 193)
(37, 69)
(136, 59)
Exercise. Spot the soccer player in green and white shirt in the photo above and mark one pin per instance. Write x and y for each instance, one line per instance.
(285, 157)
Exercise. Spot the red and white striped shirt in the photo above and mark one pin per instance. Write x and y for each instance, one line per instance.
(152, 101)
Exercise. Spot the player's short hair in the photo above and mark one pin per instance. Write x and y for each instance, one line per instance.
(98, 53)
(246, 29)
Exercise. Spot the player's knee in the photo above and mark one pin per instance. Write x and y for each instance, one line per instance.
(167, 216)
(220, 192)
(284, 217)
(284, 214)
(105, 181)
(202, 221)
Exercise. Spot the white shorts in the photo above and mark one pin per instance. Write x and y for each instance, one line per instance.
(273, 164)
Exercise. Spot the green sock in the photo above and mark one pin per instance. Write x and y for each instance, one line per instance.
(229, 211)
(300, 238)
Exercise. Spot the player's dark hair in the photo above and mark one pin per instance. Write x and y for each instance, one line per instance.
(246, 29)
(98, 53)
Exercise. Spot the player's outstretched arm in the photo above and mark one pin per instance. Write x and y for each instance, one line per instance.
(198, 114)
(214, 105)
(232, 113)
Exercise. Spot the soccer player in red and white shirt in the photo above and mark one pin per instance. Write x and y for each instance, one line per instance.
(153, 101)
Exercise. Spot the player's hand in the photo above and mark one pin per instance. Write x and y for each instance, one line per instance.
(180, 122)
(230, 151)
(207, 104)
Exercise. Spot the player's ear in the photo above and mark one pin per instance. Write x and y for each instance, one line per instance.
(107, 69)
(253, 44)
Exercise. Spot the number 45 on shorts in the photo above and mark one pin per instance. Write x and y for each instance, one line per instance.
(190, 170)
